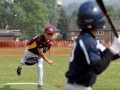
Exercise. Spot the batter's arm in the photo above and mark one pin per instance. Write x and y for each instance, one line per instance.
(99, 66)
(41, 54)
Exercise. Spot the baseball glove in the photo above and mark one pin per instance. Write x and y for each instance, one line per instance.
(31, 61)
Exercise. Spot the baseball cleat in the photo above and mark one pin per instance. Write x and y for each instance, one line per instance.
(39, 87)
(19, 71)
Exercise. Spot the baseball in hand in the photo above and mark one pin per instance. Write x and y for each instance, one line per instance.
(59, 3)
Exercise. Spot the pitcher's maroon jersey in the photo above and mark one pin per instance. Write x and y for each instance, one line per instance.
(39, 42)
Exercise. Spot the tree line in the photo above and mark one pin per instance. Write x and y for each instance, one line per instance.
(30, 16)
(27, 15)
(113, 12)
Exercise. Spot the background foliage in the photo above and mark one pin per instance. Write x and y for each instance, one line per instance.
(30, 16)
(63, 22)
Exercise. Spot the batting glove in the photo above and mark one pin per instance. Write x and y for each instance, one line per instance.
(115, 47)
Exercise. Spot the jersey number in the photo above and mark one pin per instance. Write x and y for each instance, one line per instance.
(72, 53)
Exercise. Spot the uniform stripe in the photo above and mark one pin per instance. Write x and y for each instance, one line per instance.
(51, 43)
(85, 51)
(33, 45)
(100, 46)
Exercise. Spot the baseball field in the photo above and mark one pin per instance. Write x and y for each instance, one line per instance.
(54, 75)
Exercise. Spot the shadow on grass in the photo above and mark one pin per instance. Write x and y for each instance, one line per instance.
(7, 87)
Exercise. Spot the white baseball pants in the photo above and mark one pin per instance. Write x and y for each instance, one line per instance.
(39, 65)
(75, 86)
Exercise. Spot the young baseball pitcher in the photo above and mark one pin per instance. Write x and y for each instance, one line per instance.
(89, 57)
(37, 47)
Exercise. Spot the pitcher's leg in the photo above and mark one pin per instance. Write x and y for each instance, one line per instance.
(26, 55)
(39, 67)
(22, 62)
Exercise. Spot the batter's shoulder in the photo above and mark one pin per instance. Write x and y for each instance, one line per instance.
(87, 40)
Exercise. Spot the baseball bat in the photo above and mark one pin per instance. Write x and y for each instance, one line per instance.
(102, 6)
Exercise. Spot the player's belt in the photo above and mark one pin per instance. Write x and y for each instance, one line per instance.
(71, 82)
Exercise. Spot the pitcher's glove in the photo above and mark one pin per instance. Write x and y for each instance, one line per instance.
(31, 61)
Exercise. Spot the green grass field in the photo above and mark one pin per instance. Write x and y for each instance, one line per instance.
(27, 87)
(54, 75)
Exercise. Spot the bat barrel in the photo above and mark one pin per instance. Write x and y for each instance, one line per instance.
(102, 6)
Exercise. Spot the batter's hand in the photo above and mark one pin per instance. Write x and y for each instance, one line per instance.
(115, 47)
(50, 62)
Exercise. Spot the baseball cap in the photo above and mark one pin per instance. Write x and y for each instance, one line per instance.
(49, 30)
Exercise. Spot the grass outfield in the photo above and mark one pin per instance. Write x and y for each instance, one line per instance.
(27, 87)
(54, 75)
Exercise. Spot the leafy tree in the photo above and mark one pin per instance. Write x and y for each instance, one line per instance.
(114, 13)
(73, 16)
(27, 15)
(31, 17)
(118, 14)
(52, 12)
(115, 3)
(63, 22)
(110, 8)
(52, 2)
(70, 7)
(3, 13)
